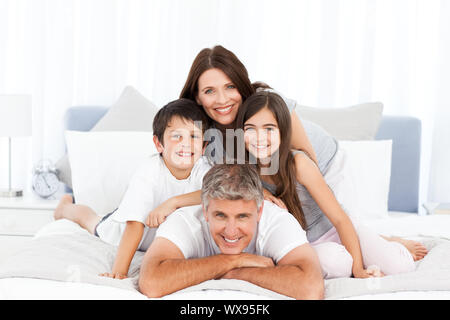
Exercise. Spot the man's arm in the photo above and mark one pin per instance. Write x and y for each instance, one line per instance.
(165, 270)
(297, 274)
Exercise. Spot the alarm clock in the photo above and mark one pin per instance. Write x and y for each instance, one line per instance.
(45, 179)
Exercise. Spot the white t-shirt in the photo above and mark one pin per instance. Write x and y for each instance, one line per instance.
(151, 185)
(278, 233)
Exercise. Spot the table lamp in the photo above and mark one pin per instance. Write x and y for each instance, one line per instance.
(15, 121)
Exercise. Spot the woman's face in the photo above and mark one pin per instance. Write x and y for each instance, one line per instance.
(219, 96)
(261, 134)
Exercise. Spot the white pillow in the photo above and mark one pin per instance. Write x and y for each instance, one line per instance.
(360, 177)
(102, 164)
(131, 112)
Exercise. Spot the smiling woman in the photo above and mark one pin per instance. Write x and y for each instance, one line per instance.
(219, 97)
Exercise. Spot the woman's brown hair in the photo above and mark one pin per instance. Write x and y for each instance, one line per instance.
(225, 60)
(285, 179)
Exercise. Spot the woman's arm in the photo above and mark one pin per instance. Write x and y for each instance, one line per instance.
(160, 213)
(309, 175)
(128, 245)
(300, 140)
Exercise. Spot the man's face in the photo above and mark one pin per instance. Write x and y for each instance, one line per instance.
(232, 223)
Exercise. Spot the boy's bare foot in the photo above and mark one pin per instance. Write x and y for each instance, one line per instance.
(417, 250)
(65, 200)
(81, 214)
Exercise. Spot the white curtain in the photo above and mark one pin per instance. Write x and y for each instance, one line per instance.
(324, 53)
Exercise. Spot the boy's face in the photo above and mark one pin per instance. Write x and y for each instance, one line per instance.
(182, 146)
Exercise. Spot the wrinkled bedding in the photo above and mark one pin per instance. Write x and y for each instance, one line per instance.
(64, 252)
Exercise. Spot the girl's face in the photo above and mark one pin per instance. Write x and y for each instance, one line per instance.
(261, 134)
(219, 96)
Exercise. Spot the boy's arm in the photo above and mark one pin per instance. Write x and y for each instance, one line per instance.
(165, 270)
(128, 245)
(297, 274)
(160, 213)
(187, 199)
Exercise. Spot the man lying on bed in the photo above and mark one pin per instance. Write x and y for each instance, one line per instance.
(230, 237)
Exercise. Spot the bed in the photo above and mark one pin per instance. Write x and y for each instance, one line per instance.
(63, 260)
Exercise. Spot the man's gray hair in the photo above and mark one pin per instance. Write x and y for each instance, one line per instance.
(232, 182)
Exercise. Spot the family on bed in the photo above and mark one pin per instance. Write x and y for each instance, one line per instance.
(250, 203)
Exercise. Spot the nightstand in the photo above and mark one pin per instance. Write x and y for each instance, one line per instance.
(20, 219)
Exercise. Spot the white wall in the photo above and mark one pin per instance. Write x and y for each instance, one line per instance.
(324, 53)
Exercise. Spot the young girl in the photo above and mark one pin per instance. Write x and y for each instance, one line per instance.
(344, 248)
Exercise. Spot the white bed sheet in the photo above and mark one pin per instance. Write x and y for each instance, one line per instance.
(32, 289)
(400, 224)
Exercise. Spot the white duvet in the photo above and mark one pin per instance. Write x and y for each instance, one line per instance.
(63, 262)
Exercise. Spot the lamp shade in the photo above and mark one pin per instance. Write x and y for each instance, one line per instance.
(15, 115)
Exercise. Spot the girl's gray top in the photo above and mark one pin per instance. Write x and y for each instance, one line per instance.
(325, 146)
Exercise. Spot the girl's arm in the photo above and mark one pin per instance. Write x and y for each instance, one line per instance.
(128, 245)
(309, 175)
(270, 197)
(300, 140)
(160, 213)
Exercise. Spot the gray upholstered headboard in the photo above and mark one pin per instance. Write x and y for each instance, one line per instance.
(404, 131)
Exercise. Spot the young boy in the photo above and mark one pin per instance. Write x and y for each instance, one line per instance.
(165, 182)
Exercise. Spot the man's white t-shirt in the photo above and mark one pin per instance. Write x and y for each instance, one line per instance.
(277, 234)
(151, 185)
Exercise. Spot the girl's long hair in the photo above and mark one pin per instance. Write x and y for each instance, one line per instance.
(285, 179)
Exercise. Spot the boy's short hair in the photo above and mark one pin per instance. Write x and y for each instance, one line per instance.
(183, 108)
